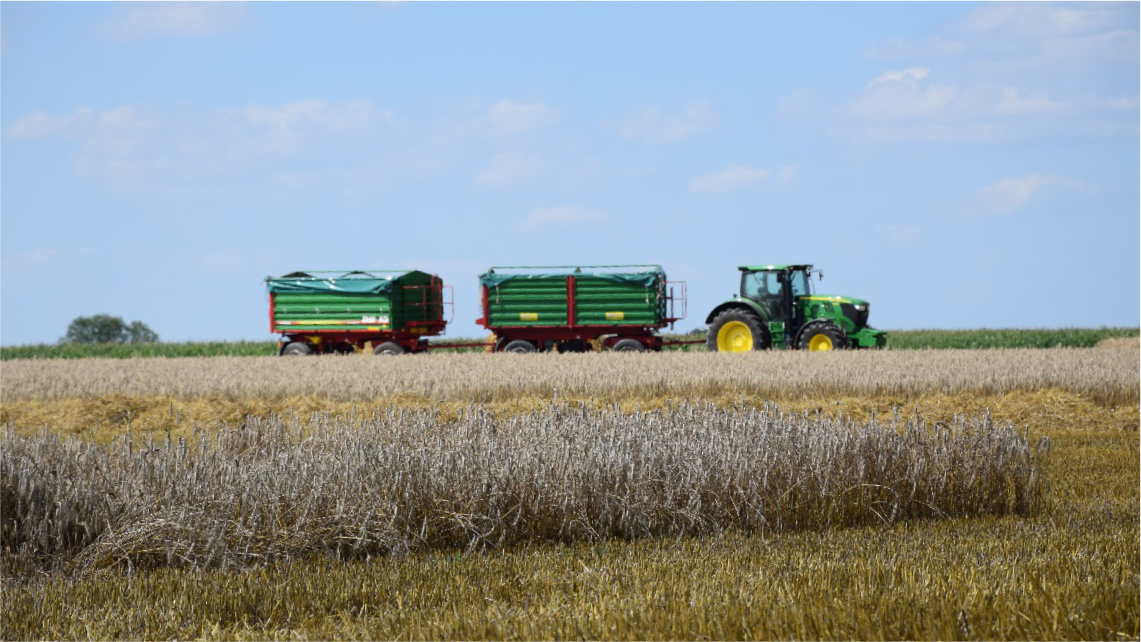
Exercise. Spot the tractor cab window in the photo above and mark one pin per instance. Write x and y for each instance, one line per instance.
(761, 285)
(800, 283)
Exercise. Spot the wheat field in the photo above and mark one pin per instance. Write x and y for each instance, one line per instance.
(1109, 376)
(973, 495)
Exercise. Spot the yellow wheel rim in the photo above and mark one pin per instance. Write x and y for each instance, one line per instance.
(734, 336)
(820, 343)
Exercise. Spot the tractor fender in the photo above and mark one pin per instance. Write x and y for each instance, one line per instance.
(744, 304)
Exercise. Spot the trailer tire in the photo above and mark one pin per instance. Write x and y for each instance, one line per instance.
(822, 336)
(296, 349)
(519, 346)
(629, 345)
(736, 330)
(389, 348)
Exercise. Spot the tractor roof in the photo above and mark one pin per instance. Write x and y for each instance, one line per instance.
(762, 268)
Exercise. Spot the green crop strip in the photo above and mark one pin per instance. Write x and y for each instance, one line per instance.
(897, 340)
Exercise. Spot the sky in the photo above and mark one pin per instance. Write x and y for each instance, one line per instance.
(958, 165)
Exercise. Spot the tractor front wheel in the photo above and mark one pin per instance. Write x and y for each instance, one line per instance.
(822, 337)
(736, 330)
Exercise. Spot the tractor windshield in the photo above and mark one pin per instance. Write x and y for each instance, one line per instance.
(800, 283)
(760, 285)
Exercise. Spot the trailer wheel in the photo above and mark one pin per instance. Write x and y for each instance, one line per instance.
(296, 349)
(389, 348)
(628, 345)
(736, 330)
(822, 336)
(519, 346)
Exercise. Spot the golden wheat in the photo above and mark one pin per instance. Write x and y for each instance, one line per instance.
(1070, 573)
(398, 481)
(1109, 376)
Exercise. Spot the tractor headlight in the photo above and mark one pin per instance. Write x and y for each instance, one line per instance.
(861, 308)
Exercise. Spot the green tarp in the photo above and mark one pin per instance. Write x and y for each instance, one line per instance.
(645, 278)
(349, 282)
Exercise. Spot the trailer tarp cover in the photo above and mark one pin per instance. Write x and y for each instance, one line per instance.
(646, 278)
(349, 282)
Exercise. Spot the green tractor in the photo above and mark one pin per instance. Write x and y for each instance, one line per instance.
(778, 309)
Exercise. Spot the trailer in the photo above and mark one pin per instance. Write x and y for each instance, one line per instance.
(579, 308)
(383, 311)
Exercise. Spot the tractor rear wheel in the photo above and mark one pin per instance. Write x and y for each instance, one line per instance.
(519, 346)
(389, 348)
(736, 330)
(628, 345)
(822, 336)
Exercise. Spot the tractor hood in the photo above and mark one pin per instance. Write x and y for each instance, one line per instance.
(834, 298)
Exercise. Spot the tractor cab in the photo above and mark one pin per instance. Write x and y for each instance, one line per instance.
(777, 307)
(777, 290)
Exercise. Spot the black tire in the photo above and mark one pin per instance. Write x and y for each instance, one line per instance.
(296, 349)
(760, 336)
(389, 348)
(817, 334)
(519, 346)
(629, 345)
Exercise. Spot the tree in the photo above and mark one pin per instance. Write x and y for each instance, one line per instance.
(104, 328)
(138, 332)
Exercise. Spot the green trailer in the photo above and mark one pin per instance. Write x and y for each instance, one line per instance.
(578, 308)
(385, 311)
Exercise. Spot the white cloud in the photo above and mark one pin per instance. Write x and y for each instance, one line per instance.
(40, 125)
(911, 73)
(1037, 19)
(1011, 194)
(1012, 101)
(910, 106)
(1009, 71)
(562, 216)
(736, 177)
(1127, 103)
(345, 115)
(509, 168)
(508, 117)
(653, 126)
(136, 146)
(139, 21)
(898, 100)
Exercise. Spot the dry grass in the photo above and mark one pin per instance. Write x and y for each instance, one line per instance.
(831, 569)
(1106, 376)
(1120, 343)
(103, 419)
(1070, 573)
(402, 481)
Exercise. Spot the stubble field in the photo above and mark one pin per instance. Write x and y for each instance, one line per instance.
(926, 494)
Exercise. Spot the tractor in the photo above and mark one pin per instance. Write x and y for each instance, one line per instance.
(777, 308)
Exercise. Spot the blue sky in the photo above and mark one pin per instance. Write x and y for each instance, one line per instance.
(959, 165)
